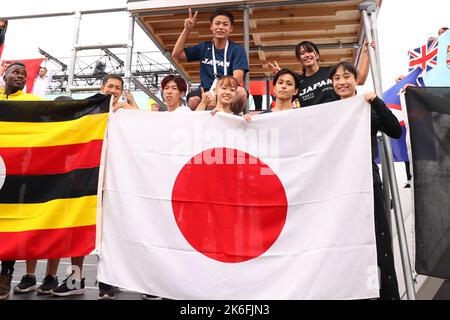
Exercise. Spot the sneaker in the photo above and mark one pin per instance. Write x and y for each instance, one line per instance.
(48, 285)
(5, 285)
(106, 291)
(27, 284)
(150, 297)
(69, 287)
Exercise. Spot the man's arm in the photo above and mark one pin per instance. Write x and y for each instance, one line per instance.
(238, 75)
(240, 64)
(178, 50)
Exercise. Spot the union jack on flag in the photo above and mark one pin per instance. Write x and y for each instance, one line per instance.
(424, 57)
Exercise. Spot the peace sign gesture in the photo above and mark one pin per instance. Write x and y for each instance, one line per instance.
(190, 22)
(275, 66)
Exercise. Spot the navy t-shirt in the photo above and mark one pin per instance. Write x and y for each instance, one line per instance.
(316, 89)
(236, 60)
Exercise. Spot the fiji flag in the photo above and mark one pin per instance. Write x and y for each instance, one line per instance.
(392, 99)
(424, 57)
(440, 75)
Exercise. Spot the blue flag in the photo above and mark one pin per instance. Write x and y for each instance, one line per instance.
(440, 75)
(392, 99)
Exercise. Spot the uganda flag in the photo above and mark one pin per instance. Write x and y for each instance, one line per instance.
(49, 171)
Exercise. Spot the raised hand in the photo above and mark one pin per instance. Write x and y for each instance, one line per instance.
(189, 23)
(275, 66)
(370, 96)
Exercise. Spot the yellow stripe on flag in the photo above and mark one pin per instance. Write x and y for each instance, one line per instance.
(55, 214)
(45, 134)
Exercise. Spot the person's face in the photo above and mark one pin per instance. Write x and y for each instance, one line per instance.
(172, 95)
(114, 87)
(221, 27)
(285, 87)
(344, 83)
(42, 72)
(441, 31)
(15, 77)
(226, 94)
(308, 59)
(155, 107)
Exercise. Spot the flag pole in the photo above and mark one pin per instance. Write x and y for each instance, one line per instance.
(386, 188)
(369, 8)
(246, 13)
(73, 57)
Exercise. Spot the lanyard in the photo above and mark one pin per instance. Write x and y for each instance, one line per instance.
(224, 60)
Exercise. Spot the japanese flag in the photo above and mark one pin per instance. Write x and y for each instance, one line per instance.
(202, 207)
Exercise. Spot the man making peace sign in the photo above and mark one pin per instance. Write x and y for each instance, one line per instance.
(217, 58)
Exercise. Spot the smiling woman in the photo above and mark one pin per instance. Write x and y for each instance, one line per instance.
(344, 78)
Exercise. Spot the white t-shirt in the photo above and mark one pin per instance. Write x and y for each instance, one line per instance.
(40, 85)
(182, 108)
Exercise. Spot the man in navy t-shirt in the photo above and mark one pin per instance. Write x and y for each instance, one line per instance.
(213, 55)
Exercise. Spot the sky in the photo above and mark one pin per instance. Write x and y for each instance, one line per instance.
(402, 27)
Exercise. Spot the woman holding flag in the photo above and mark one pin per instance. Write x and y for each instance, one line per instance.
(344, 79)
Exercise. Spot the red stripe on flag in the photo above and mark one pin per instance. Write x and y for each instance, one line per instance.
(47, 244)
(394, 106)
(51, 160)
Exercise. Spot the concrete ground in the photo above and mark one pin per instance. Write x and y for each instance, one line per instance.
(89, 272)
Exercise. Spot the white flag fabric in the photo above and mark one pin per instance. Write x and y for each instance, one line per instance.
(289, 215)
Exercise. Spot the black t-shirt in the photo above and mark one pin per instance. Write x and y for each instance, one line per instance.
(316, 89)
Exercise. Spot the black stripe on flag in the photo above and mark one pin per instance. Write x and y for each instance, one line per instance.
(429, 126)
(43, 188)
(53, 111)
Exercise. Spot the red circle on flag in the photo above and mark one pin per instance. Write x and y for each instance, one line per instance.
(229, 205)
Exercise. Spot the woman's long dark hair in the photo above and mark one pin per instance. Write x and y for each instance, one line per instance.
(308, 46)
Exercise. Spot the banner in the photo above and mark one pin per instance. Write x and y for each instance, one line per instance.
(429, 126)
(49, 166)
(201, 207)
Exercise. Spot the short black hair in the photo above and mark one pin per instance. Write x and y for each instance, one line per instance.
(16, 63)
(112, 76)
(287, 71)
(181, 84)
(350, 67)
(222, 12)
